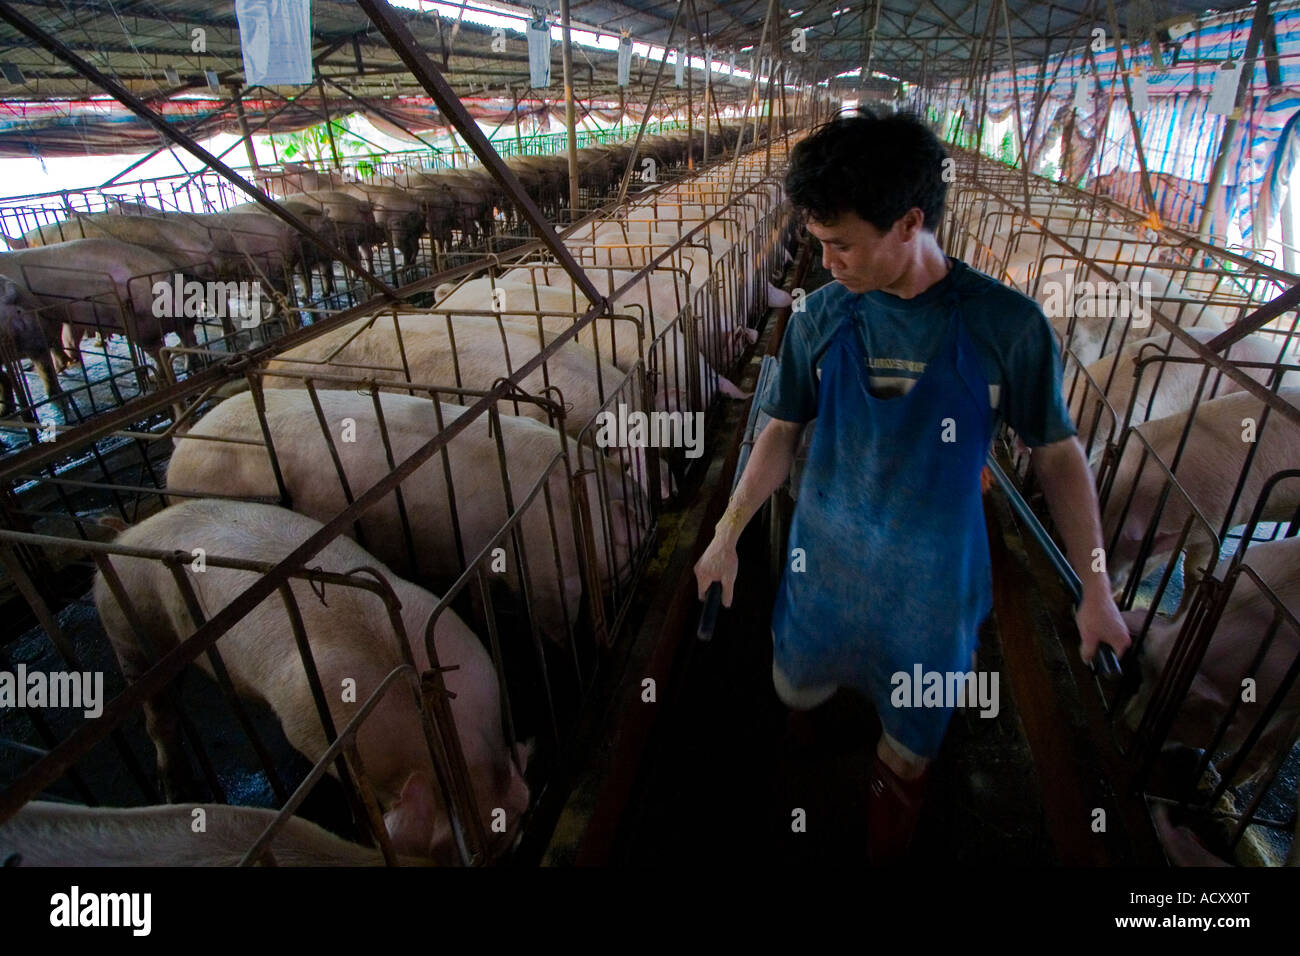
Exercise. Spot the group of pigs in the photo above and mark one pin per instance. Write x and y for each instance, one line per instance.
(450, 514)
(94, 273)
(1149, 424)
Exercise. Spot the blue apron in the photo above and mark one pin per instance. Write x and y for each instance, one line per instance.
(891, 523)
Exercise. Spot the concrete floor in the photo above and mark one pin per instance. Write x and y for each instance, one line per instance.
(723, 778)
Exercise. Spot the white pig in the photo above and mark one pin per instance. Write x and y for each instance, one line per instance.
(483, 354)
(1208, 471)
(223, 467)
(351, 639)
(1177, 383)
(1247, 618)
(1100, 320)
(59, 834)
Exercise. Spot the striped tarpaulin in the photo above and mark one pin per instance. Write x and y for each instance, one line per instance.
(1180, 136)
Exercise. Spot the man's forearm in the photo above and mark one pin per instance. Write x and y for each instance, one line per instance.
(768, 466)
(1072, 500)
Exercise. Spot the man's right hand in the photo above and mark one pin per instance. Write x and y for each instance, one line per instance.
(768, 466)
(718, 563)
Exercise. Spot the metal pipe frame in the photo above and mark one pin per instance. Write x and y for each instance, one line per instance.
(137, 106)
(170, 665)
(401, 40)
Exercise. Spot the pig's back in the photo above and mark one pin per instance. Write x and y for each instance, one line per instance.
(50, 834)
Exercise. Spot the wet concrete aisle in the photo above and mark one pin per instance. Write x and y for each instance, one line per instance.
(723, 777)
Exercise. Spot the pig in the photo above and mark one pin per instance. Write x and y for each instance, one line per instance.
(399, 217)
(1208, 471)
(113, 284)
(186, 246)
(314, 215)
(353, 220)
(59, 834)
(244, 469)
(476, 195)
(483, 353)
(1177, 380)
(250, 245)
(527, 290)
(21, 319)
(351, 638)
(437, 199)
(1246, 619)
(1100, 325)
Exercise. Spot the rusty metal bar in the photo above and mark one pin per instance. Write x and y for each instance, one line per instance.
(329, 124)
(570, 114)
(752, 101)
(238, 100)
(1256, 320)
(1257, 29)
(404, 44)
(1147, 193)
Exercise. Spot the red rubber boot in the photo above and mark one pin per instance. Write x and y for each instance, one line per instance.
(893, 807)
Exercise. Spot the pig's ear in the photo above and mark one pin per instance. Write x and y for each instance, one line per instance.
(113, 523)
(8, 291)
(411, 822)
(524, 751)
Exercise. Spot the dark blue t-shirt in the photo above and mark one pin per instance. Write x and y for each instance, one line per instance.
(1017, 350)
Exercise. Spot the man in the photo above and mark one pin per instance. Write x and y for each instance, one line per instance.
(907, 362)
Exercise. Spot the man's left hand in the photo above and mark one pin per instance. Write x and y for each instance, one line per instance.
(1099, 622)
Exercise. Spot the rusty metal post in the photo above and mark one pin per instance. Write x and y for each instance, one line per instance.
(751, 102)
(685, 51)
(238, 100)
(418, 62)
(649, 105)
(519, 139)
(329, 126)
(1147, 192)
(1257, 28)
(871, 47)
(570, 114)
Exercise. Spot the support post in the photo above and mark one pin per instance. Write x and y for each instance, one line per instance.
(570, 121)
(1147, 193)
(1257, 28)
(750, 103)
(329, 127)
(649, 105)
(243, 127)
(519, 140)
(690, 106)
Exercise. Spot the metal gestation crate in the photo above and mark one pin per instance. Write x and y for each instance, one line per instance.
(58, 495)
(1186, 557)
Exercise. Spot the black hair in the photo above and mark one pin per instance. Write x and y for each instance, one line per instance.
(877, 167)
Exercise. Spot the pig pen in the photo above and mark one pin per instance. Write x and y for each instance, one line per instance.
(1167, 357)
(57, 534)
(299, 283)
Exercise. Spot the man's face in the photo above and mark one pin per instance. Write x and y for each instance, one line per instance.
(858, 255)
